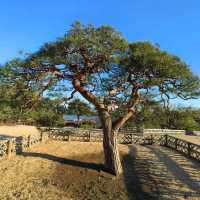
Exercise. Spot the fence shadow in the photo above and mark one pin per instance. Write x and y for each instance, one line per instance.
(176, 169)
(153, 172)
(76, 163)
(133, 184)
(6, 137)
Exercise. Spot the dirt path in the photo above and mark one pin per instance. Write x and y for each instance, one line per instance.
(161, 173)
(72, 171)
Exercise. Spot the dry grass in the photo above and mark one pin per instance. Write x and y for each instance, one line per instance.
(59, 171)
(190, 138)
(18, 130)
(72, 171)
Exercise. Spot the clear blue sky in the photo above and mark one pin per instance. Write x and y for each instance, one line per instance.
(174, 24)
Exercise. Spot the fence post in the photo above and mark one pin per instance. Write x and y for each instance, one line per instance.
(29, 141)
(20, 144)
(189, 149)
(89, 136)
(9, 148)
(166, 140)
(151, 139)
(68, 139)
(176, 143)
(131, 138)
(41, 135)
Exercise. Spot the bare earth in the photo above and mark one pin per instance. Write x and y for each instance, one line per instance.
(193, 139)
(72, 170)
(18, 130)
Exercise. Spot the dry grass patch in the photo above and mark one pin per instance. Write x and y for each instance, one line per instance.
(60, 170)
(18, 130)
(190, 138)
(73, 171)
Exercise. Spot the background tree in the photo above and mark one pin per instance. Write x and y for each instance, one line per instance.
(22, 103)
(107, 71)
(155, 116)
(79, 108)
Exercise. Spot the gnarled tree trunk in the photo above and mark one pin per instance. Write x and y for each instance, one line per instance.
(111, 153)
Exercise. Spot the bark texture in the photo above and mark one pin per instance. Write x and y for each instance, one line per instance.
(112, 161)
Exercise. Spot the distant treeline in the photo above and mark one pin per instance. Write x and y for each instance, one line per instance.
(167, 118)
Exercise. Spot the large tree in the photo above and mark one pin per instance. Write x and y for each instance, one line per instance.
(108, 71)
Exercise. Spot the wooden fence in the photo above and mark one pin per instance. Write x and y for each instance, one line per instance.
(19, 144)
(15, 145)
(162, 131)
(125, 136)
(96, 135)
(7, 147)
(134, 131)
(187, 148)
(160, 137)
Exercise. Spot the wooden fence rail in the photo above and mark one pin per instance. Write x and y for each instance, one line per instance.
(95, 136)
(15, 145)
(7, 147)
(18, 144)
(187, 148)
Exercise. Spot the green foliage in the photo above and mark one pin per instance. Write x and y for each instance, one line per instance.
(101, 55)
(21, 98)
(149, 68)
(79, 108)
(86, 126)
(47, 113)
(20, 103)
(158, 117)
(82, 48)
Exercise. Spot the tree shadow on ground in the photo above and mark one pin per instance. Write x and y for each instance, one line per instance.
(177, 170)
(76, 163)
(132, 179)
(6, 137)
(168, 174)
(79, 178)
(153, 172)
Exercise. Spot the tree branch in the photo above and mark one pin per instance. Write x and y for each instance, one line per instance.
(71, 96)
(88, 95)
(122, 120)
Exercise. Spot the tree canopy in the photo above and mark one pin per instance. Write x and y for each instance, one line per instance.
(97, 57)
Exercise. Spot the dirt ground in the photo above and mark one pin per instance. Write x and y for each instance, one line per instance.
(161, 173)
(189, 138)
(59, 171)
(73, 171)
(18, 130)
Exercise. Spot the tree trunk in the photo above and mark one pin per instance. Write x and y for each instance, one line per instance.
(112, 161)
(78, 120)
(111, 153)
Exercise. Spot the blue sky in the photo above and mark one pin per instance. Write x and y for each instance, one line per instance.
(174, 24)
